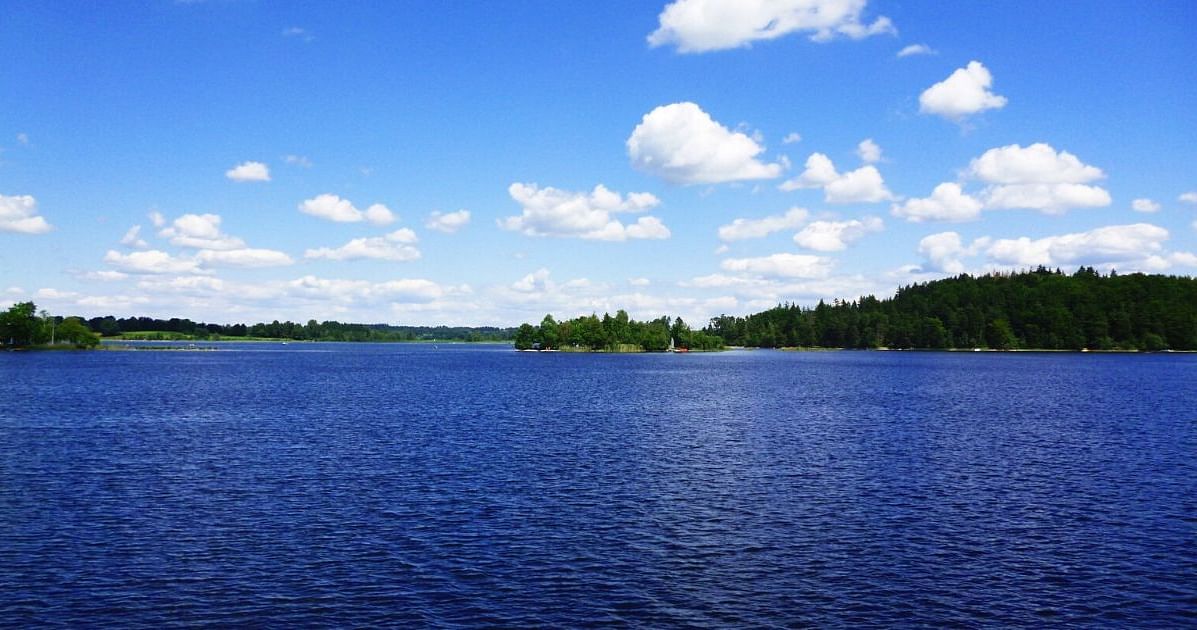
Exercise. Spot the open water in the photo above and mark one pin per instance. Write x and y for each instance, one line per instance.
(418, 485)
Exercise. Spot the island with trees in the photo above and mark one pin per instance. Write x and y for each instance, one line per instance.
(618, 333)
(1041, 309)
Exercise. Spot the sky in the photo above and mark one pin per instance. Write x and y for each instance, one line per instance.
(484, 163)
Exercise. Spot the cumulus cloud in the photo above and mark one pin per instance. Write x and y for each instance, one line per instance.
(964, 93)
(157, 219)
(103, 275)
(396, 247)
(534, 282)
(947, 202)
(200, 231)
(151, 261)
(448, 222)
(639, 282)
(18, 213)
(682, 144)
(945, 250)
(1037, 177)
(244, 257)
(1136, 243)
(552, 212)
(1145, 205)
(695, 26)
(1189, 197)
(834, 236)
(249, 172)
(863, 185)
(916, 49)
(791, 138)
(868, 151)
(781, 266)
(743, 229)
(334, 208)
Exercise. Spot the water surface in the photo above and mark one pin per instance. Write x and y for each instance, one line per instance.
(357, 484)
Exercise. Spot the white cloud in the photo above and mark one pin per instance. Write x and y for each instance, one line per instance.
(1038, 163)
(916, 49)
(639, 282)
(682, 144)
(791, 138)
(1189, 197)
(157, 219)
(151, 261)
(23, 139)
(1106, 245)
(403, 235)
(1145, 205)
(964, 93)
(742, 229)
(103, 275)
(1183, 259)
(1037, 177)
(722, 249)
(694, 26)
(200, 231)
(249, 172)
(534, 282)
(944, 251)
(868, 151)
(133, 239)
(448, 222)
(946, 203)
(863, 185)
(781, 266)
(393, 247)
(819, 172)
(19, 214)
(552, 212)
(245, 257)
(334, 208)
(834, 236)
(1047, 198)
(297, 160)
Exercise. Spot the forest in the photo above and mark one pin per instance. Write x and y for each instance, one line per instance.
(617, 333)
(1040, 309)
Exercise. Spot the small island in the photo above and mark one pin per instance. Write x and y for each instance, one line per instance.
(618, 333)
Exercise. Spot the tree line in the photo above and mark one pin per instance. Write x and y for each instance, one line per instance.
(1040, 309)
(311, 331)
(22, 325)
(618, 333)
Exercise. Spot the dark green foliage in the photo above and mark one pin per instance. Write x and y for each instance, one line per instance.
(613, 334)
(21, 326)
(1041, 309)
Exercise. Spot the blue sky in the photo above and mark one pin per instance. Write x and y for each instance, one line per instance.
(486, 163)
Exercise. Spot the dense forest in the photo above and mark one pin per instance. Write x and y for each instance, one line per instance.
(617, 333)
(145, 327)
(1041, 309)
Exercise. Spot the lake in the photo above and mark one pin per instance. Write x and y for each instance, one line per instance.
(465, 485)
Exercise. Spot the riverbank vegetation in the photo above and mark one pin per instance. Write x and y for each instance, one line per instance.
(23, 326)
(1041, 309)
(618, 333)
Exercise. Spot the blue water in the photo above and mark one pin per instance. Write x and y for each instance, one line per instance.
(350, 485)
